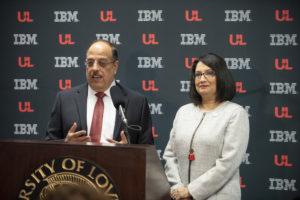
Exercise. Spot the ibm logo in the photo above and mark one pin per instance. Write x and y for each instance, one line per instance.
(238, 63)
(283, 136)
(282, 184)
(159, 151)
(149, 62)
(246, 159)
(25, 39)
(193, 39)
(25, 84)
(247, 108)
(283, 39)
(63, 62)
(283, 88)
(237, 15)
(155, 109)
(150, 15)
(66, 16)
(113, 38)
(185, 86)
(25, 129)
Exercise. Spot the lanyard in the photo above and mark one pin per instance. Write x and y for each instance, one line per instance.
(191, 152)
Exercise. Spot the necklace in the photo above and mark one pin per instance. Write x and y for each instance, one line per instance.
(191, 151)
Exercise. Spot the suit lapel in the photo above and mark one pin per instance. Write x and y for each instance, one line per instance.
(118, 122)
(81, 101)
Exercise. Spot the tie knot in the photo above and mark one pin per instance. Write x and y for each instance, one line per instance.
(100, 94)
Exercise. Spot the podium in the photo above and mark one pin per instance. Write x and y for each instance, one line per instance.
(135, 169)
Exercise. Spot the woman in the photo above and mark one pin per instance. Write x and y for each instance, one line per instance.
(209, 136)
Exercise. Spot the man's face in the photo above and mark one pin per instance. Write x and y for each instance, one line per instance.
(101, 68)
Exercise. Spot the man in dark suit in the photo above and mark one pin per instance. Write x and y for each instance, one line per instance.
(75, 110)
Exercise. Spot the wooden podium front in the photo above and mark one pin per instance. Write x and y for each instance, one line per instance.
(135, 169)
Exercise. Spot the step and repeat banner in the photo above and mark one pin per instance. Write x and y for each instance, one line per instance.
(43, 46)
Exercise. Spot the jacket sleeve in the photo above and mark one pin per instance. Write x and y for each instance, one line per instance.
(146, 136)
(54, 129)
(171, 166)
(234, 147)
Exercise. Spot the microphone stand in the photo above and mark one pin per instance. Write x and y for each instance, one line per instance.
(124, 121)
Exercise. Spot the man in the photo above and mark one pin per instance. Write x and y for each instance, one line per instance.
(78, 112)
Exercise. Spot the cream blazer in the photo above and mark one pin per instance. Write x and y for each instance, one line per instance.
(220, 143)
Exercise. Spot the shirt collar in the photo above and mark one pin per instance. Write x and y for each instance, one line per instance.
(92, 92)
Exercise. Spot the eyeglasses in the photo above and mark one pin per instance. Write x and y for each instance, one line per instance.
(207, 75)
(101, 63)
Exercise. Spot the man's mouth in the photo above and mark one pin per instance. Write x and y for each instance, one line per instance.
(96, 76)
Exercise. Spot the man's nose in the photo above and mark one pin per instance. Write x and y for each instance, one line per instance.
(95, 66)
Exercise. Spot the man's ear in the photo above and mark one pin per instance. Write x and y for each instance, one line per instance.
(116, 65)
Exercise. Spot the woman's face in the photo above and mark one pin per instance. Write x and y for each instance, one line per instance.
(206, 84)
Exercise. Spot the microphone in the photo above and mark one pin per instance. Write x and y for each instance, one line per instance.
(119, 102)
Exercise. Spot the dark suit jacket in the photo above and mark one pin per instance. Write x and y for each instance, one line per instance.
(70, 106)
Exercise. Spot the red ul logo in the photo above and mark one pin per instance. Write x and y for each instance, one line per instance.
(25, 18)
(68, 84)
(284, 161)
(151, 86)
(187, 65)
(25, 63)
(285, 16)
(239, 87)
(194, 17)
(150, 40)
(238, 40)
(284, 64)
(241, 184)
(153, 132)
(109, 16)
(68, 39)
(26, 107)
(284, 113)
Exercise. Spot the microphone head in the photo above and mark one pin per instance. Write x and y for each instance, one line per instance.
(117, 97)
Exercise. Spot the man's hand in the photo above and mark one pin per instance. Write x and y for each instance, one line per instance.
(123, 139)
(181, 193)
(77, 136)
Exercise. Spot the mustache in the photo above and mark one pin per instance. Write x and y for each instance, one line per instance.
(96, 74)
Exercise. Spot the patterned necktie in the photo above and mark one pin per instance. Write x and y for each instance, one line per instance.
(96, 126)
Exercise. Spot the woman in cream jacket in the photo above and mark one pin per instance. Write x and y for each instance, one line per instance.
(209, 137)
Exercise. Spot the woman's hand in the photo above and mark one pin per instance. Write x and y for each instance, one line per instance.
(181, 194)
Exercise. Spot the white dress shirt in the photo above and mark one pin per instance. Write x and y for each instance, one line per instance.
(109, 114)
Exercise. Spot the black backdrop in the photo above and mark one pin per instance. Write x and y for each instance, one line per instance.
(43, 48)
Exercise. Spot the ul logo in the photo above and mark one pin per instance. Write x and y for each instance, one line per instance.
(285, 16)
(150, 39)
(67, 85)
(109, 16)
(284, 64)
(26, 62)
(151, 86)
(239, 87)
(194, 16)
(25, 17)
(284, 112)
(187, 65)
(67, 39)
(26, 107)
(241, 184)
(284, 161)
(238, 40)
(153, 132)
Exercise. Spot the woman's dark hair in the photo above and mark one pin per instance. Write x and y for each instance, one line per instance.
(225, 83)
